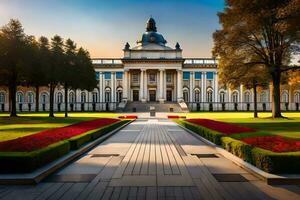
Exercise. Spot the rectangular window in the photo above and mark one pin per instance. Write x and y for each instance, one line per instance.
(152, 78)
(197, 75)
(119, 75)
(209, 75)
(107, 75)
(186, 75)
(97, 75)
(135, 78)
(169, 78)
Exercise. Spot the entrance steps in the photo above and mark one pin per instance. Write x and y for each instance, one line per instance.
(136, 106)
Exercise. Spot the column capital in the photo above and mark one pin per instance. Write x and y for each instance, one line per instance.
(179, 70)
(126, 70)
(143, 70)
(203, 72)
(161, 70)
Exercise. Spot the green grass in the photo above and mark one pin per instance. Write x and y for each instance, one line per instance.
(30, 123)
(287, 127)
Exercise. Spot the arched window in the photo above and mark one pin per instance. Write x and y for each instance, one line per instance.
(235, 97)
(222, 96)
(297, 97)
(72, 97)
(263, 97)
(197, 95)
(107, 95)
(83, 97)
(247, 97)
(44, 98)
(285, 97)
(119, 95)
(2, 97)
(20, 97)
(30, 97)
(95, 97)
(185, 95)
(209, 95)
(59, 98)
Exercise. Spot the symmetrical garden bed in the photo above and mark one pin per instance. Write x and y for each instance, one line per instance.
(27, 153)
(271, 153)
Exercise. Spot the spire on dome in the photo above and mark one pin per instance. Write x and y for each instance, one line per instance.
(151, 25)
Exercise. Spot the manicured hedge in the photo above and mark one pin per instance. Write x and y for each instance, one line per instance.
(266, 160)
(77, 141)
(22, 162)
(211, 135)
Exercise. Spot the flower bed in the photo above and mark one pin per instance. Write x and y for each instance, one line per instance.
(128, 117)
(51, 136)
(221, 127)
(176, 117)
(274, 143)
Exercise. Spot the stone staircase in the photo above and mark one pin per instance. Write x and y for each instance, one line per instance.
(159, 107)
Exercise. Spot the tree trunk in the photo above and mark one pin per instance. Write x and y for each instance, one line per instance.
(276, 110)
(12, 94)
(37, 98)
(51, 110)
(66, 100)
(255, 100)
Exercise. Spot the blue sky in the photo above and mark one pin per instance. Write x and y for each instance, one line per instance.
(104, 26)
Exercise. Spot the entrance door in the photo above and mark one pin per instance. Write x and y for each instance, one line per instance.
(152, 95)
(169, 95)
(135, 95)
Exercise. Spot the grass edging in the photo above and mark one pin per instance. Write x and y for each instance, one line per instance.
(26, 162)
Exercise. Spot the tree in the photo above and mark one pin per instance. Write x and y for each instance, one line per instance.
(267, 30)
(54, 71)
(13, 47)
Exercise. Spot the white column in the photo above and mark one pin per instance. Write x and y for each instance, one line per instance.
(204, 86)
(161, 85)
(101, 87)
(145, 86)
(113, 86)
(142, 85)
(165, 86)
(125, 85)
(241, 96)
(216, 87)
(129, 87)
(175, 87)
(191, 99)
(179, 86)
(291, 97)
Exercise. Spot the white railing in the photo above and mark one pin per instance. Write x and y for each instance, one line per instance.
(106, 61)
(201, 61)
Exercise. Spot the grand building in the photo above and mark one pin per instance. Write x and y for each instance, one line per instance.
(152, 73)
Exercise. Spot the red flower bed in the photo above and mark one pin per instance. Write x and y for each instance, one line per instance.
(274, 143)
(176, 117)
(128, 117)
(221, 127)
(45, 138)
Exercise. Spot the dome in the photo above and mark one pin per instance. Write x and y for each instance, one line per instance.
(151, 35)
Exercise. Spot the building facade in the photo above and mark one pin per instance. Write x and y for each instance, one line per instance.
(154, 72)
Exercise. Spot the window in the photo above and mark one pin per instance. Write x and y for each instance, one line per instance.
(263, 97)
(59, 97)
(107, 95)
(285, 97)
(107, 75)
(30, 97)
(186, 95)
(235, 97)
(222, 97)
(247, 97)
(209, 75)
(169, 78)
(20, 97)
(97, 75)
(197, 95)
(119, 75)
(152, 78)
(44, 98)
(2, 97)
(72, 97)
(135, 78)
(83, 97)
(297, 97)
(186, 75)
(95, 97)
(209, 96)
(119, 95)
(197, 75)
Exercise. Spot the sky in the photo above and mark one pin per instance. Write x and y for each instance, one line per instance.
(104, 26)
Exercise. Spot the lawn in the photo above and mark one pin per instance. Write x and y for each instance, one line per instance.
(289, 127)
(30, 123)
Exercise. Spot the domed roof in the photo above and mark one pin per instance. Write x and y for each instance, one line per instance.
(151, 35)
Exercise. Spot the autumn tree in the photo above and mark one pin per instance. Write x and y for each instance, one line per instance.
(268, 31)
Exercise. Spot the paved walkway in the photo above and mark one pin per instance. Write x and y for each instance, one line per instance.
(151, 159)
